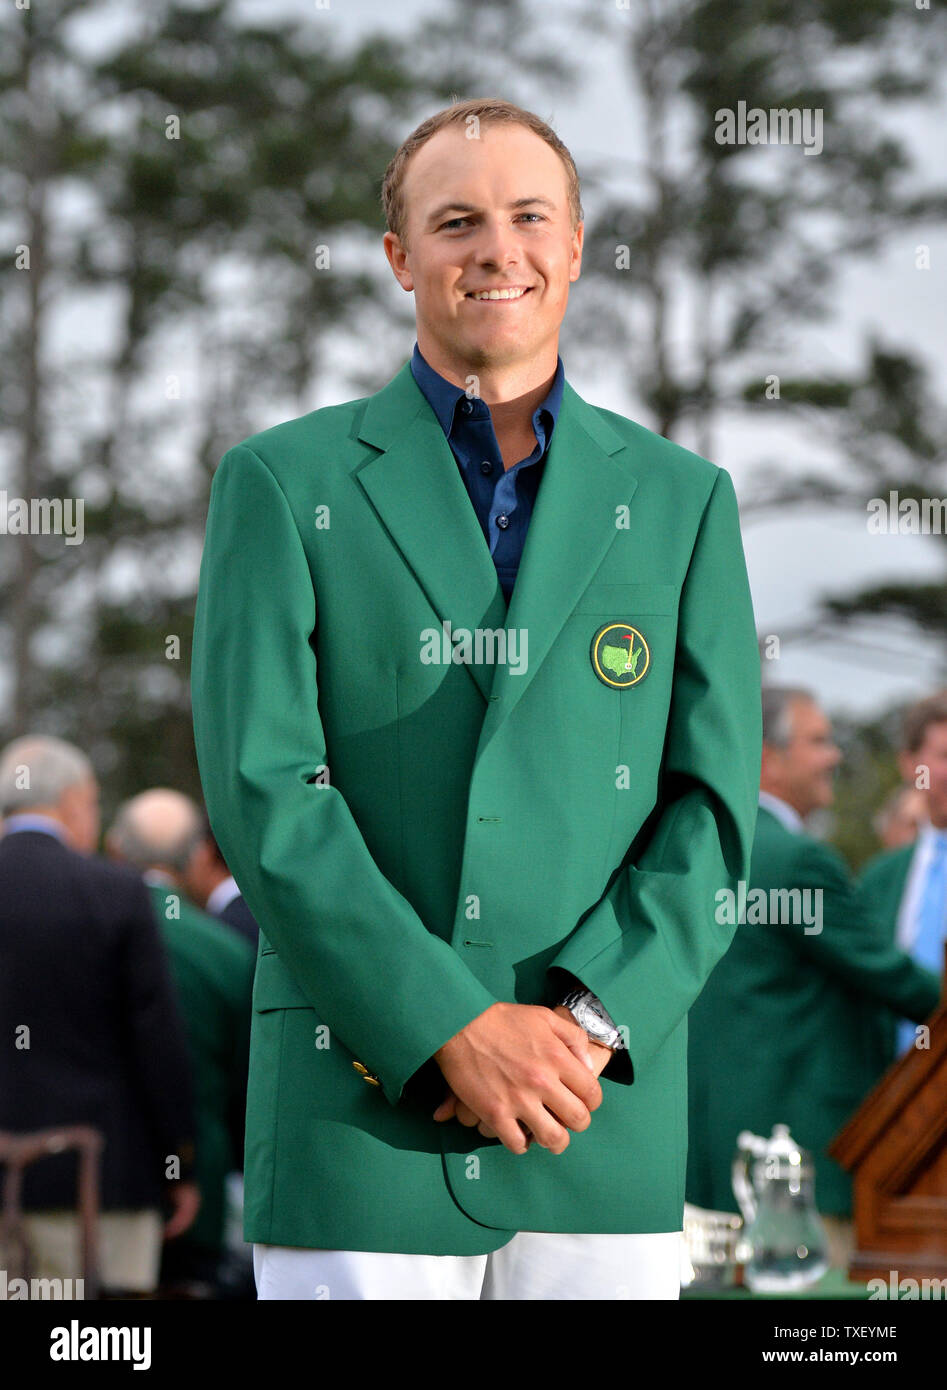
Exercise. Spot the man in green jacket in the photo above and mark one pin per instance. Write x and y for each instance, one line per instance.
(908, 886)
(481, 824)
(787, 1029)
(212, 971)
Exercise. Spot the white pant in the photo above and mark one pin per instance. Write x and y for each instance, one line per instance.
(533, 1265)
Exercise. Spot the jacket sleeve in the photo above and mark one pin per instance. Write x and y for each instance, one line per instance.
(389, 989)
(852, 945)
(157, 1037)
(648, 946)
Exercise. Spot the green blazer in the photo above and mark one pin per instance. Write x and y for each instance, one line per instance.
(420, 837)
(787, 1028)
(883, 881)
(212, 970)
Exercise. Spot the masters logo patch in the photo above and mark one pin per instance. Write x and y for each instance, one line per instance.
(620, 655)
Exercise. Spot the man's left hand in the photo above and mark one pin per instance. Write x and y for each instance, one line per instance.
(596, 1056)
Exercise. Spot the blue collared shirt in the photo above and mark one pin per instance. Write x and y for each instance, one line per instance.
(503, 499)
(33, 820)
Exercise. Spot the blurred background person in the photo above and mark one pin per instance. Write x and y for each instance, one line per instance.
(900, 817)
(212, 968)
(94, 414)
(213, 887)
(908, 885)
(787, 1029)
(83, 968)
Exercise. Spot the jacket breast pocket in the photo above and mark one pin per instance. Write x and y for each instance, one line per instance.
(274, 987)
(627, 601)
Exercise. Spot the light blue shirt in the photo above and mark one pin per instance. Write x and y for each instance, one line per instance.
(32, 820)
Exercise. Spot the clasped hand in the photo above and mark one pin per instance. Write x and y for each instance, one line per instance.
(520, 1072)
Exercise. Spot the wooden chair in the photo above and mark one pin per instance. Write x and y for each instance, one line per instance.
(17, 1152)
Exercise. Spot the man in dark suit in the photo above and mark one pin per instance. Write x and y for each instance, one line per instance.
(209, 882)
(212, 967)
(786, 1030)
(92, 1033)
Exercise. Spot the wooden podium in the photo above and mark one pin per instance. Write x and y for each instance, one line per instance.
(895, 1145)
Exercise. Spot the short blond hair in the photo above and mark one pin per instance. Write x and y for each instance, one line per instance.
(489, 111)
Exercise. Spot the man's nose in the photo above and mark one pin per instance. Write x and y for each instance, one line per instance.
(496, 244)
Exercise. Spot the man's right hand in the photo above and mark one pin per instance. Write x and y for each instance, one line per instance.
(185, 1199)
(523, 1063)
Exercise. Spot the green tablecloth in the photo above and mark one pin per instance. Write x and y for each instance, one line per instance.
(834, 1284)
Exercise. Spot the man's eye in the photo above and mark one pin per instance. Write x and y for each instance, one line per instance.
(454, 221)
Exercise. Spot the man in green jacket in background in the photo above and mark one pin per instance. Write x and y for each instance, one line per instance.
(481, 823)
(908, 886)
(212, 971)
(788, 1027)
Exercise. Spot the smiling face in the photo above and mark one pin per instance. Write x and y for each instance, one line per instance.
(490, 214)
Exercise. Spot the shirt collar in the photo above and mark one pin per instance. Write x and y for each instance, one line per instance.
(443, 395)
(783, 812)
(222, 896)
(32, 820)
(929, 836)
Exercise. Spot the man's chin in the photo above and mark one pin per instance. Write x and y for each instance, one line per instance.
(494, 355)
(500, 340)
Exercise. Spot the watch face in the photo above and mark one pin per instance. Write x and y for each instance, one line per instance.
(591, 1020)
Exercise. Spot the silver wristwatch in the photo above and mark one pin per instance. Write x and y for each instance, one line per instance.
(589, 1013)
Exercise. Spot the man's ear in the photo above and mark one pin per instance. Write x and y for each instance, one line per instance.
(397, 258)
(575, 269)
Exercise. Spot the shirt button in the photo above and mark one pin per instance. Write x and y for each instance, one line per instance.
(467, 407)
(503, 522)
(486, 466)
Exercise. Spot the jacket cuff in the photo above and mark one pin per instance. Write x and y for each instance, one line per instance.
(619, 1067)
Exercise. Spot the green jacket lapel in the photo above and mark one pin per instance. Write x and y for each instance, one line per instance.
(416, 488)
(586, 479)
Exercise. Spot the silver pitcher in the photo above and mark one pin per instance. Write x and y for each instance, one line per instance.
(783, 1246)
